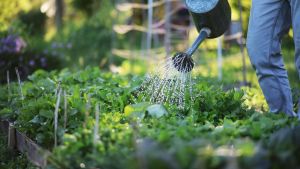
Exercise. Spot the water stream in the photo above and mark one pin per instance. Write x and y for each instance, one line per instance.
(168, 85)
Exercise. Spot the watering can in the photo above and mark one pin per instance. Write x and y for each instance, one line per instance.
(212, 18)
(212, 14)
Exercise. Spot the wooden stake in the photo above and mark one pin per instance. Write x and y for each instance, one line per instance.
(96, 128)
(65, 109)
(20, 85)
(11, 136)
(8, 85)
(56, 118)
(87, 113)
(58, 87)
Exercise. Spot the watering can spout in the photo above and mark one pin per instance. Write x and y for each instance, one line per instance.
(212, 18)
(203, 34)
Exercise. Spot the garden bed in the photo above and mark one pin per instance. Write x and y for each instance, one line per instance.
(19, 141)
(59, 114)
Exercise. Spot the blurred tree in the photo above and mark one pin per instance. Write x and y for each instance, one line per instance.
(34, 21)
(9, 9)
(86, 6)
(91, 42)
(7, 13)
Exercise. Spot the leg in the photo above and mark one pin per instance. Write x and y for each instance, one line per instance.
(269, 21)
(295, 10)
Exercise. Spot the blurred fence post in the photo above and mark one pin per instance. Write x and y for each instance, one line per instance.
(241, 43)
(220, 59)
(149, 32)
(167, 40)
(113, 36)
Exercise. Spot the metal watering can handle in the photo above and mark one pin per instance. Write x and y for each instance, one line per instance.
(204, 33)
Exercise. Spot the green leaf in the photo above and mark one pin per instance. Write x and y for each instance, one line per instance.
(36, 120)
(246, 147)
(46, 113)
(40, 137)
(157, 110)
(5, 111)
(69, 138)
(136, 110)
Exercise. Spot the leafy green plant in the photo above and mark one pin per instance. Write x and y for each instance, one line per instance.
(213, 130)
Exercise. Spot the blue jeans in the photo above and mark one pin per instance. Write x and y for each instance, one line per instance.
(269, 21)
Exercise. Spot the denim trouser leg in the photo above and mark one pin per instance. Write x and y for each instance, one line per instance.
(269, 21)
(295, 10)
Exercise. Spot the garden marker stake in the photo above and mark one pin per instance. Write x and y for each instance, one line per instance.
(58, 87)
(87, 109)
(212, 18)
(65, 109)
(19, 82)
(56, 117)
(8, 85)
(96, 128)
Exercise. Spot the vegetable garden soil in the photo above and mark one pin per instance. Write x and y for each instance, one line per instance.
(215, 130)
